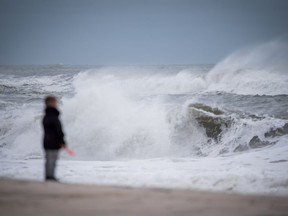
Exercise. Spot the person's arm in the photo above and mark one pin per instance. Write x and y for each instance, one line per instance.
(59, 132)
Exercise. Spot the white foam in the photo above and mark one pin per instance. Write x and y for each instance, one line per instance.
(261, 172)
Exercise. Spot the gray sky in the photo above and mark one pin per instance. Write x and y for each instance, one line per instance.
(121, 32)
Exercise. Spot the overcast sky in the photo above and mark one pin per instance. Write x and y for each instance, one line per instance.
(129, 32)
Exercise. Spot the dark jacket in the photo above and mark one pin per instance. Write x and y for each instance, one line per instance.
(53, 134)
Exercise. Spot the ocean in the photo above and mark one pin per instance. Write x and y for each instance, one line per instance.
(221, 127)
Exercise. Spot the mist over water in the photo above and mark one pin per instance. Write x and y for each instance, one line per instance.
(259, 70)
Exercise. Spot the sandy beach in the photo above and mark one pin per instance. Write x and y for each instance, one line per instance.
(19, 197)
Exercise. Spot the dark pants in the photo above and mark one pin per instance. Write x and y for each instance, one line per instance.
(50, 165)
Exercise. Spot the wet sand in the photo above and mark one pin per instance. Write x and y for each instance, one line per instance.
(41, 198)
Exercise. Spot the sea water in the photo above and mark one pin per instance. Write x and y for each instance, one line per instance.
(213, 127)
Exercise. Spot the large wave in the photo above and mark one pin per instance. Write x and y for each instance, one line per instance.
(108, 119)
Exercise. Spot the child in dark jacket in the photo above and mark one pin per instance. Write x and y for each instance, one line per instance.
(53, 136)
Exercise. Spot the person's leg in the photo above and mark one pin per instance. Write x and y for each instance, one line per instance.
(47, 164)
(54, 156)
(51, 157)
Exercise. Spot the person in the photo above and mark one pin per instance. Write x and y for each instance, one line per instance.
(53, 137)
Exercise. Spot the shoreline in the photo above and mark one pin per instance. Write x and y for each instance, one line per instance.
(22, 197)
(211, 174)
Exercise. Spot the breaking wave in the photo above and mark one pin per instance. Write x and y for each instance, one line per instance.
(111, 117)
